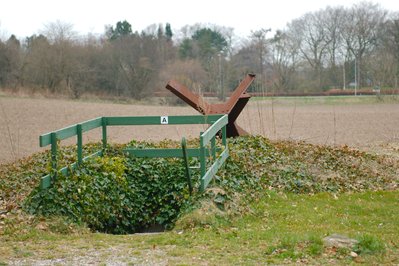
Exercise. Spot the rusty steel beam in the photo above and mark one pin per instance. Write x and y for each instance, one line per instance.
(189, 97)
(238, 107)
(233, 107)
(240, 91)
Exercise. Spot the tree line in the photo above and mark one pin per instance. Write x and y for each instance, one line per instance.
(331, 48)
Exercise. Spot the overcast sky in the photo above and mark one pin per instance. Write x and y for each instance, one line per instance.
(26, 17)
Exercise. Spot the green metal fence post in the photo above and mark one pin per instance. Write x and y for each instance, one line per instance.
(104, 130)
(224, 136)
(79, 143)
(224, 139)
(54, 154)
(202, 162)
(213, 147)
(186, 164)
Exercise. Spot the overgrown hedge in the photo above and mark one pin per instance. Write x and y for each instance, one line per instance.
(116, 194)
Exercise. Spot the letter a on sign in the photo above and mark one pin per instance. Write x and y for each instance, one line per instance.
(164, 120)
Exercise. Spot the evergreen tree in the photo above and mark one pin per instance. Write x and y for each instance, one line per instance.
(210, 42)
(168, 31)
(122, 29)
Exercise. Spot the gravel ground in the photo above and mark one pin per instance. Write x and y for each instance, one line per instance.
(113, 256)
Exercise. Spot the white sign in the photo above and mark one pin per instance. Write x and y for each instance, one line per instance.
(164, 120)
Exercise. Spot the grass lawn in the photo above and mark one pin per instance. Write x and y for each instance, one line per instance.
(280, 228)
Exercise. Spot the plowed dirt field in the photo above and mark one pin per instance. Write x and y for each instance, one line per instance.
(364, 126)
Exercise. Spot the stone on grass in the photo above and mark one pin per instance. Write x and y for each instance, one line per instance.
(339, 241)
(353, 254)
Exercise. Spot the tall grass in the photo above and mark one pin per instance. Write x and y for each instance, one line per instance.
(14, 147)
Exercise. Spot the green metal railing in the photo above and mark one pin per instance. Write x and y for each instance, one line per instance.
(207, 138)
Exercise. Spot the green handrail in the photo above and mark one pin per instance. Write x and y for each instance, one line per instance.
(218, 124)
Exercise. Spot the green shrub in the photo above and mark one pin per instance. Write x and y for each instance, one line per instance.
(315, 245)
(116, 194)
(369, 244)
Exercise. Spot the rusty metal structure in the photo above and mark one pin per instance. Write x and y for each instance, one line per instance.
(233, 107)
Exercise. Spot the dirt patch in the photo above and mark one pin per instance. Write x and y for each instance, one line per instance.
(368, 126)
(364, 126)
(116, 255)
(23, 120)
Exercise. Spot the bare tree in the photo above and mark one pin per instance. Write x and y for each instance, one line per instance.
(38, 62)
(59, 32)
(61, 38)
(131, 64)
(15, 61)
(4, 64)
(391, 43)
(284, 52)
(361, 31)
(260, 43)
(245, 60)
(381, 67)
(189, 72)
(333, 19)
(314, 40)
